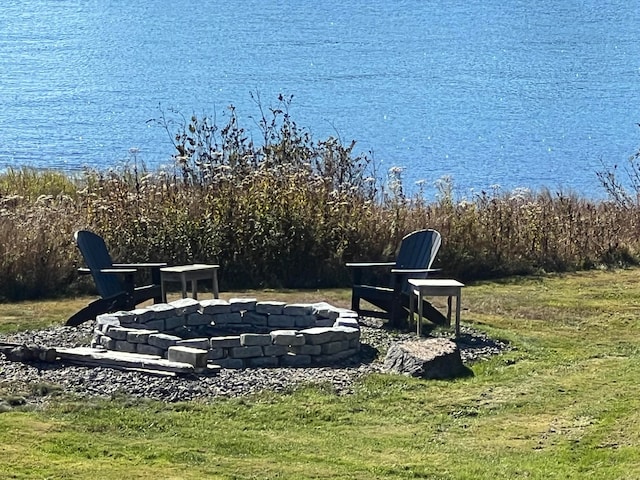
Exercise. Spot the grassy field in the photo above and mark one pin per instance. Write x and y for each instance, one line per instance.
(562, 404)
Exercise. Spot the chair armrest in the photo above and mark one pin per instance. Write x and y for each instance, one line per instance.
(408, 271)
(86, 271)
(140, 265)
(370, 264)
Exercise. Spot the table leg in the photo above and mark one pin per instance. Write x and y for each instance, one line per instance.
(216, 291)
(163, 291)
(449, 311)
(458, 313)
(183, 282)
(194, 289)
(411, 306)
(419, 328)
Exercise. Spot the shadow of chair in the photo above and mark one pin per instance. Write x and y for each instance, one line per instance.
(114, 281)
(414, 259)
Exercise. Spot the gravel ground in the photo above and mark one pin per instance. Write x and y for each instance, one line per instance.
(19, 378)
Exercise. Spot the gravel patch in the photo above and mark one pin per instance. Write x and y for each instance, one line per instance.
(19, 378)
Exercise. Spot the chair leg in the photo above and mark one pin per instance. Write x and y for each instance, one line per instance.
(95, 308)
(355, 302)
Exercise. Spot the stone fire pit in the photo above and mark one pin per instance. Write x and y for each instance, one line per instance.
(239, 333)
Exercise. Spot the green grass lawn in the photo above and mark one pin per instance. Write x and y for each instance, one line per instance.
(562, 404)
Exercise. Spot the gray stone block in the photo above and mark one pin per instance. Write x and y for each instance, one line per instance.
(123, 346)
(298, 309)
(232, 363)
(275, 350)
(156, 324)
(346, 333)
(173, 323)
(306, 349)
(319, 335)
(346, 322)
(117, 333)
(251, 339)
(106, 320)
(162, 310)
(287, 337)
(107, 342)
(185, 306)
(214, 306)
(225, 342)
(140, 335)
(243, 304)
(146, 349)
(270, 308)
(262, 362)
(216, 354)
(325, 310)
(194, 356)
(255, 319)
(201, 343)
(305, 321)
(324, 322)
(198, 319)
(245, 352)
(163, 340)
(335, 347)
(227, 318)
(334, 358)
(295, 360)
(281, 321)
(142, 315)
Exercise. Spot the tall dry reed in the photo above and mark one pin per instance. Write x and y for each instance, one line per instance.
(288, 212)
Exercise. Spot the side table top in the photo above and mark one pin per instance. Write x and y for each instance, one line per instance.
(189, 268)
(434, 282)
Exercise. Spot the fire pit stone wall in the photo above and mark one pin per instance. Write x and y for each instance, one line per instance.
(239, 333)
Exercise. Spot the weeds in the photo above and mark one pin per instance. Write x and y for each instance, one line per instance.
(289, 212)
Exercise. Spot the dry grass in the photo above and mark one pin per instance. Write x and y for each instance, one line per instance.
(287, 213)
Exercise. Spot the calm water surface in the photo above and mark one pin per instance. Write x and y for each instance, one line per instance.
(516, 93)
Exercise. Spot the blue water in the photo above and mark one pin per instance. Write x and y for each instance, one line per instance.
(517, 94)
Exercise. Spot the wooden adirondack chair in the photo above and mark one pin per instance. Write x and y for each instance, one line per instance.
(415, 257)
(114, 281)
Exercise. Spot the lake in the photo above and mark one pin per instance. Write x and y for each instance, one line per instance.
(516, 94)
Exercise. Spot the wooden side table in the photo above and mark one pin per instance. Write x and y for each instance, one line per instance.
(192, 273)
(436, 287)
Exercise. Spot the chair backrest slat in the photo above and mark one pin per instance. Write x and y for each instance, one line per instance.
(96, 256)
(418, 250)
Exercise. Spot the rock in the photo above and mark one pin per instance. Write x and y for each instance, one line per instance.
(432, 358)
(30, 353)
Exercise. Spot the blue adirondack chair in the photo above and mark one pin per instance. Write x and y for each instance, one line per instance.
(415, 257)
(114, 281)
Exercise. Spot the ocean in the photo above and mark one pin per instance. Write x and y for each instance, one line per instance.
(495, 95)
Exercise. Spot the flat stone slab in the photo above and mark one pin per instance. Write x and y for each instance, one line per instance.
(107, 358)
(432, 358)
